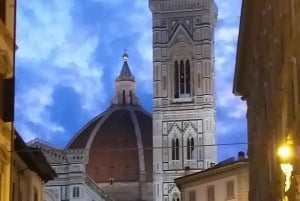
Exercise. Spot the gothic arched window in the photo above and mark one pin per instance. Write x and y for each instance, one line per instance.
(182, 79)
(190, 149)
(175, 149)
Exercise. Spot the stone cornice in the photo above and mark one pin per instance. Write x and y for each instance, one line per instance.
(159, 5)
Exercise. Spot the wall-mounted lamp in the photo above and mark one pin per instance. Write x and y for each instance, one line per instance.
(286, 156)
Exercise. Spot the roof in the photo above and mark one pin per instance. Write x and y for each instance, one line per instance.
(125, 74)
(34, 159)
(219, 168)
(119, 142)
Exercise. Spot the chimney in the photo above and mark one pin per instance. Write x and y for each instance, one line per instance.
(241, 155)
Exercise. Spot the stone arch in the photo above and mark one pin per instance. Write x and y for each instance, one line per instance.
(181, 57)
(175, 139)
(190, 144)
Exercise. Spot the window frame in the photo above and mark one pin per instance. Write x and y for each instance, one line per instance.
(211, 193)
(190, 148)
(76, 192)
(182, 79)
(230, 192)
(192, 195)
(175, 149)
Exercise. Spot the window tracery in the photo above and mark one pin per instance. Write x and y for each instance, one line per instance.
(190, 148)
(182, 79)
(175, 149)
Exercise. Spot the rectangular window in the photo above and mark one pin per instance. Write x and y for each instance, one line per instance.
(230, 189)
(2, 10)
(210, 193)
(65, 192)
(192, 196)
(182, 80)
(76, 192)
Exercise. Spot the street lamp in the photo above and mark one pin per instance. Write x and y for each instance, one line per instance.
(286, 156)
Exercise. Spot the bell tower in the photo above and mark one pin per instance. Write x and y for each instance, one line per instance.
(183, 91)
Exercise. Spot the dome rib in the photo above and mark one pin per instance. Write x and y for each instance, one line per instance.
(96, 128)
(139, 145)
(119, 143)
(71, 142)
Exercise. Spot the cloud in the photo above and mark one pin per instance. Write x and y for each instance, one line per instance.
(231, 110)
(227, 34)
(75, 48)
(228, 10)
(51, 44)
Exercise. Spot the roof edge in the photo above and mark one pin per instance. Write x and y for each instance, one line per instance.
(211, 171)
(236, 89)
(34, 159)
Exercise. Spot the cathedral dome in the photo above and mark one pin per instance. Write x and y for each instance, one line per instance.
(120, 139)
(119, 142)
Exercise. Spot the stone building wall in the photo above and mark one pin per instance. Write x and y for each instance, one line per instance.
(183, 35)
(7, 52)
(268, 76)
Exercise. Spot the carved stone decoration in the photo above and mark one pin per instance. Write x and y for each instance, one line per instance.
(200, 165)
(174, 126)
(166, 166)
(174, 130)
(180, 35)
(200, 126)
(165, 102)
(189, 126)
(165, 128)
(165, 189)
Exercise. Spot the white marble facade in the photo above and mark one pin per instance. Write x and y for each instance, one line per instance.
(183, 91)
(72, 183)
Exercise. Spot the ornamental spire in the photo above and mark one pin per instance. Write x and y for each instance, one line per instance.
(125, 73)
(125, 86)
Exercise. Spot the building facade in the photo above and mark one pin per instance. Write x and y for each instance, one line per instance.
(7, 50)
(225, 181)
(29, 173)
(72, 183)
(267, 76)
(183, 91)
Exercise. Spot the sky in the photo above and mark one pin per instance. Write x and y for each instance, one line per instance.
(71, 51)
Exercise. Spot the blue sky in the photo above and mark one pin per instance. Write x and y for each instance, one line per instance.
(71, 51)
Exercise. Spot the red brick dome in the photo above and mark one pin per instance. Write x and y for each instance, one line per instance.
(120, 145)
